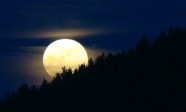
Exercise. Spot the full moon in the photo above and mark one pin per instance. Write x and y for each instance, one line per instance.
(64, 52)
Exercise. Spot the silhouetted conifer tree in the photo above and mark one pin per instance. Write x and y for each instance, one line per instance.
(149, 78)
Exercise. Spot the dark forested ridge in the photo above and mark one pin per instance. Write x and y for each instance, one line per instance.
(148, 78)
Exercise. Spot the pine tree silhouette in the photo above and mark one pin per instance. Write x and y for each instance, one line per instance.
(149, 78)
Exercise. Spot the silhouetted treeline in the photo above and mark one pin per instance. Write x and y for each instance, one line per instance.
(148, 78)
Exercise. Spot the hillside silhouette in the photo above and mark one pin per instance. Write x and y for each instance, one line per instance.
(148, 78)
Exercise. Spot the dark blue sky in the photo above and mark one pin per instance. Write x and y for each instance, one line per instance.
(28, 26)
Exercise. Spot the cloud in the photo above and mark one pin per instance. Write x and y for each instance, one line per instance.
(65, 33)
(27, 27)
(27, 65)
(33, 58)
(24, 67)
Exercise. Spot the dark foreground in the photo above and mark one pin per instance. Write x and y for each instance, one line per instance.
(149, 78)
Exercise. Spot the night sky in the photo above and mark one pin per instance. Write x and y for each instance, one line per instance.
(28, 26)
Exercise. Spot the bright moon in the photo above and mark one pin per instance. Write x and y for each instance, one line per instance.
(64, 52)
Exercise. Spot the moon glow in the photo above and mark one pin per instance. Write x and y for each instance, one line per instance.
(64, 52)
